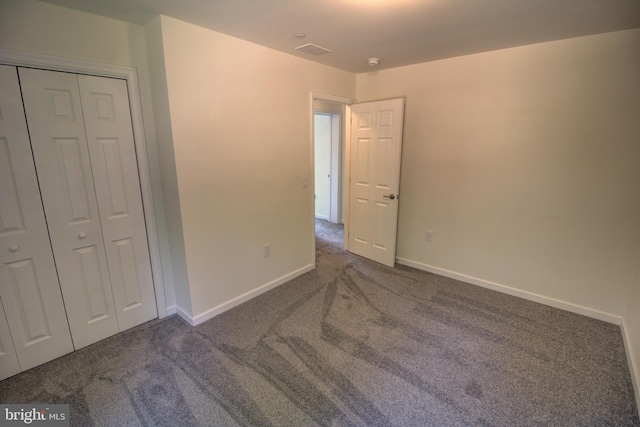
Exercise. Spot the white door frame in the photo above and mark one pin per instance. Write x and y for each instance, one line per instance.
(129, 74)
(318, 96)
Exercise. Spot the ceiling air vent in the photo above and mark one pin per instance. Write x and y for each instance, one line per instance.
(312, 49)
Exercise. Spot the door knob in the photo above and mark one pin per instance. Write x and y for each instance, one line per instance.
(14, 248)
(82, 235)
(390, 196)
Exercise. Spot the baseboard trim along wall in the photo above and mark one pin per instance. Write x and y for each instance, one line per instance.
(574, 308)
(633, 368)
(185, 316)
(213, 312)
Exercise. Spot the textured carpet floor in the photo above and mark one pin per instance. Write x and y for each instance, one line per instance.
(350, 343)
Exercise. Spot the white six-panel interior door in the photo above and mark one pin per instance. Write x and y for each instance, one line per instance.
(375, 155)
(75, 261)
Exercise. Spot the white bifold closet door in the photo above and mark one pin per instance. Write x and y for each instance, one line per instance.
(82, 141)
(33, 323)
(107, 118)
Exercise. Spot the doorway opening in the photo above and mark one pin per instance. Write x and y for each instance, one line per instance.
(366, 193)
(329, 166)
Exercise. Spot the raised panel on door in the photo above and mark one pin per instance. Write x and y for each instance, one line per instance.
(112, 153)
(375, 147)
(29, 287)
(361, 231)
(380, 233)
(56, 125)
(360, 179)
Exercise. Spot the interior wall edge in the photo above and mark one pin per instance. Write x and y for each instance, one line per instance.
(631, 358)
(509, 290)
(184, 315)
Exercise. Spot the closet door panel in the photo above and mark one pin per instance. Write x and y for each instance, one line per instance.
(9, 364)
(105, 104)
(29, 288)
(56, 124)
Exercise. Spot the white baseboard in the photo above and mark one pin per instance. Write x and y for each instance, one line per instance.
(574, 308)
(633, 368)
(185, 316)
(213, 312)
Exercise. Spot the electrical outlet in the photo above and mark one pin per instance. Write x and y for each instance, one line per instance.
(428, 236)
(267, 250)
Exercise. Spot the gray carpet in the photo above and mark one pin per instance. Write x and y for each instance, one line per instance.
(351, 343)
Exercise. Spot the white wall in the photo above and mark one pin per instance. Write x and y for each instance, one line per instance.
(167, 163)
(524, 163)
(241, 125)
(32, 26)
